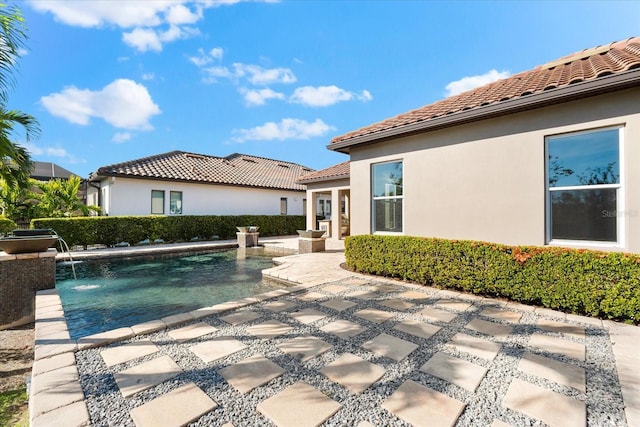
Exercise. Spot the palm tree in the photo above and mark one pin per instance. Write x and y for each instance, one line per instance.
(15, 162)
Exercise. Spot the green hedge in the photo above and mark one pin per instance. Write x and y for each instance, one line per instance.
(585, 282)
(6, 225)
(111, 230)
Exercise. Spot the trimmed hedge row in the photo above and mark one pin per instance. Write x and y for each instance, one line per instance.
(111, 230)
(599, 284)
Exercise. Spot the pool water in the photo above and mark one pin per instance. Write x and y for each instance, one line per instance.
(110, 294)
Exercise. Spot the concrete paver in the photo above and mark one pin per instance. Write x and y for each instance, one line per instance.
(73, 415)
(552, 408)
(174, 409)
(423, 407)
(500, 314)
(374, 315)
(299, 405)
(279, 305)
(478, 347)
(250, 373)
(353, 372)
(304, 348)
(60, 361)
(490, 328)
(311, 296)
(554, 370)
(389, 346)
(338, 304)
(269, 329)
(563, 328)
(397, 304)
(455, 370)
(433, 314)
(416, 328)
(414, 295)
(308, 315)
(55, 378)
(240, 317)
(217, 348)
(124, 353)
(193, 331)
(454, 304)
(344, 329)
(146, 375)
(558, 345)
(335, 289)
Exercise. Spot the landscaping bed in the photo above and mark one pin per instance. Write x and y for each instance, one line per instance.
(599, 284)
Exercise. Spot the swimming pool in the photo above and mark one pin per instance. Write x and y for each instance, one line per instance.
(115, 293)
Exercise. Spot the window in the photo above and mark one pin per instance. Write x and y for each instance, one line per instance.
(157, 202)
(321, 202)
(283, 206)
(304, 207)
(584, 193)
(327, 207)
(387, 197)
(175, 202)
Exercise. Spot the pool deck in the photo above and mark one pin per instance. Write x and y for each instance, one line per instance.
(401, 325)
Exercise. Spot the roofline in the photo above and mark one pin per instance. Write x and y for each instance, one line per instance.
(598, 86)
(100, 177)
(323, 179)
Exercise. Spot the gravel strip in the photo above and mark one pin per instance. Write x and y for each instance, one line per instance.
(603, 398)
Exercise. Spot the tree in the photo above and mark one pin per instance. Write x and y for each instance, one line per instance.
(15, 162)
(60, 198)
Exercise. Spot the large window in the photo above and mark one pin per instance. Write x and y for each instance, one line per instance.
(584, 197)
(157, 202)
(175, 202)
(387, 196)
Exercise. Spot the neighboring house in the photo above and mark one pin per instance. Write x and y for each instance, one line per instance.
(329, 188)
(46, 171)
(181, 183)
(549, 156)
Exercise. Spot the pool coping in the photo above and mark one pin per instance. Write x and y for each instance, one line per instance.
(54, 350)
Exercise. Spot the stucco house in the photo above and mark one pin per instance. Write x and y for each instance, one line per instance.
(182, 183)
(549, 156)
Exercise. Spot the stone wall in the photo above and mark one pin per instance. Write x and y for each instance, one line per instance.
(21, 276)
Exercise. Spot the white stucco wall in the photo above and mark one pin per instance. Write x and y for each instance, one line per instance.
(126, 196)
(486, 180)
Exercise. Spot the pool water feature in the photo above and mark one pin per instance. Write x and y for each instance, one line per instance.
(115, 293)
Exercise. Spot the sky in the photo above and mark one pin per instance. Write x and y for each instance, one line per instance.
(115, 80)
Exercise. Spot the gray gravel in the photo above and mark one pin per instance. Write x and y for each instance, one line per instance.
(603, 398)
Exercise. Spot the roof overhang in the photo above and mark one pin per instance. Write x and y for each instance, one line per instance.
(324, 179)
(606, 84)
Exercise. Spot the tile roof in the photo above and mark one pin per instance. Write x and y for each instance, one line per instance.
(45, 171)
(339, 171)
(235, 169)
(584, 66)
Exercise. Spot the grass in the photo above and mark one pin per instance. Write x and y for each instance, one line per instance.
(13, 408)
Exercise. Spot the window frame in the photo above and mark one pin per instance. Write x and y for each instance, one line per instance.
(374, 198)
(284, 206)
(619, 187)
(163, 200)
(171, 193)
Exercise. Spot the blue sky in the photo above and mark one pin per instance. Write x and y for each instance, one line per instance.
(111, 81)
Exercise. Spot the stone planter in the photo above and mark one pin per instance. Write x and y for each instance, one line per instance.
(248, 229)
(27, 244)
(311, 241)
(247, 236)
(311, 234)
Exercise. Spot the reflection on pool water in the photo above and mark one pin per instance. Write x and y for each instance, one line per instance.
(110, 294)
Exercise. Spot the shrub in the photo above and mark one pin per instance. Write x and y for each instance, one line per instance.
(6, 225)
(585, 282)
(110, 230)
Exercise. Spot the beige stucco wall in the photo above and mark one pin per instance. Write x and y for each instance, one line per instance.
(486, 180)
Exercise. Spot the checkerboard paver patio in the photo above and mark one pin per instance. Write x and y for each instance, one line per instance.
(448, 346)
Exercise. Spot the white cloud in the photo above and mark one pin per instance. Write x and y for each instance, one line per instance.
(253, 74)
(145, 39)
(286, 129)
(323, 96)
(59, 152)
(123, 104)
(203, 58)
(148, 76)
(472, 82)
(120, 137)
(260, 96)
(142, 17)
(22, 52)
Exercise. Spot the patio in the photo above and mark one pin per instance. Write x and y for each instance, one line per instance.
(342, 349)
